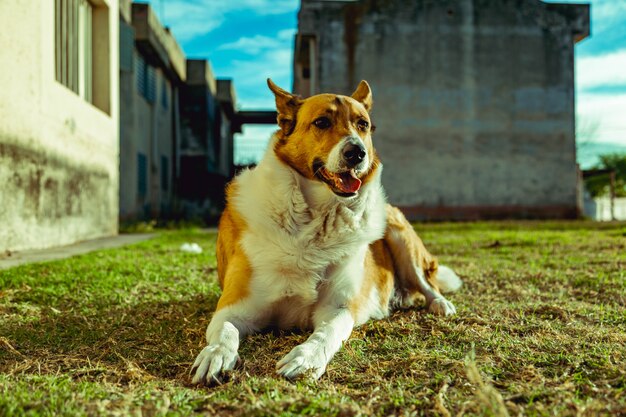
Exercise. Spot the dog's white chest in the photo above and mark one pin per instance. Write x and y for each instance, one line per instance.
(292, 260)
(320, 240)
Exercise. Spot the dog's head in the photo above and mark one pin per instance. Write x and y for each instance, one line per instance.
(327, 137)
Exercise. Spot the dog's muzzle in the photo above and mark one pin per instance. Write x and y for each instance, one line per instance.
(353, 153)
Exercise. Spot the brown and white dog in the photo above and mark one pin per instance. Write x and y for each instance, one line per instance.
(308, 241)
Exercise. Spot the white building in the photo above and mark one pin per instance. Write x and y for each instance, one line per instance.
(603, 209)
(58, 122)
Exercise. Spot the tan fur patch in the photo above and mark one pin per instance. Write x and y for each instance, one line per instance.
(378, 274)
(233, 268)
(414, 246)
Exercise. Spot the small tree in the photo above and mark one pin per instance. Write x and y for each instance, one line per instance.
(599, 185)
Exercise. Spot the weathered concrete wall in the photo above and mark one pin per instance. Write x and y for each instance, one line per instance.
(130, 204)
(58, 153)
(473, 99)
(146, 128)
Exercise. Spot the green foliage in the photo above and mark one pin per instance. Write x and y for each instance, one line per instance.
(600, 185)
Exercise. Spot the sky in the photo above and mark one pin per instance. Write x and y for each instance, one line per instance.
(251, 40)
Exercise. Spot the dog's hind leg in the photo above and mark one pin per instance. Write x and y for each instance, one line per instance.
(416, 270)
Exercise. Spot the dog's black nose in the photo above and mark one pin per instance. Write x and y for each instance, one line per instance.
(354, 153)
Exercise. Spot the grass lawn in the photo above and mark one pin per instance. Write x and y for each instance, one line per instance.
(540, 330)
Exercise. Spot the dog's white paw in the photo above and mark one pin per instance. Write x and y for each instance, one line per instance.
(211, 362)
(303, 358)
(441, 307)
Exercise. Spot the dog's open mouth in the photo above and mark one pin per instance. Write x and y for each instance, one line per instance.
(344, 184)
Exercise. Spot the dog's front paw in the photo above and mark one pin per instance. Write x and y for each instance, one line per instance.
(303, 358)
(211, 362)
(441, 307)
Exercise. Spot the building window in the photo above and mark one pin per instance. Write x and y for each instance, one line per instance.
(146, 79)
(140, 74)
(73, 35)
(127, 44)
(165, 173)
(164, 100)
(81, 40)
(142, 176)
(151, 84)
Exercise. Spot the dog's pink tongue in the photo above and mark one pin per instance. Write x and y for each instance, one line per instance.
(348, 182)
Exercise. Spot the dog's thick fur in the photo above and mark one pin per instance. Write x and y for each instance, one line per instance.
(308, 241)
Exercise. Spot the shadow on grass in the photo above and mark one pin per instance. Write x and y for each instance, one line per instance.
(155, 339)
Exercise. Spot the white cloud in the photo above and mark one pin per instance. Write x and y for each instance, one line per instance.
(601, 70)
(250, 77)
(287, 34)
(253, 45)
(606, 13)
(188, 19)
(261, 7)
(276, 62)
(606, 113)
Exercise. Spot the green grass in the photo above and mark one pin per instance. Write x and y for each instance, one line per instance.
(540, 330)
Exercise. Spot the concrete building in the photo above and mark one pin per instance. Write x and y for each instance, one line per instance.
(605, 209)
(208, 107)
(152, 71)
(58, 122)
(473, 99)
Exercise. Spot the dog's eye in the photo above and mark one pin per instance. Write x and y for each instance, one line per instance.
(322, 123)
(362, 124)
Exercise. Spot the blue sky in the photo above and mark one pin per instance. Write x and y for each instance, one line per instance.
(250, 40)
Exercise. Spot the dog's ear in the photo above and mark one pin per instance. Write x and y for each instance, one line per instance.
(363, 94)
(287, 106)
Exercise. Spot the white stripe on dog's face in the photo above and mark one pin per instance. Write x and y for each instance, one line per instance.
(336, 160)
